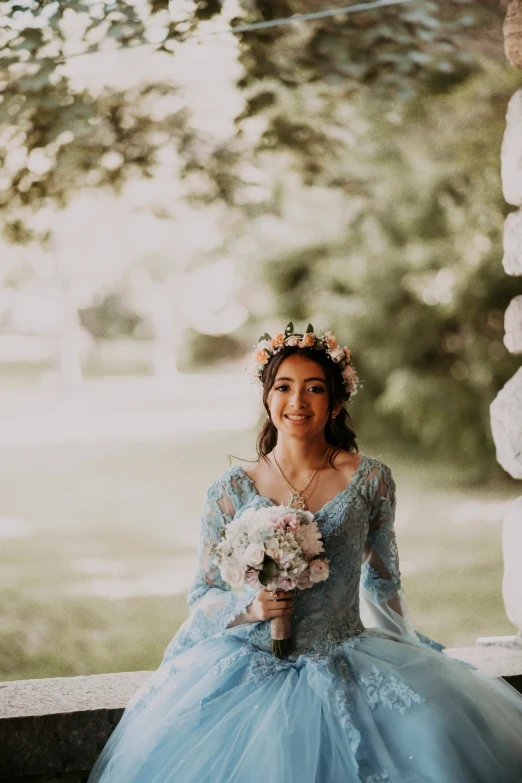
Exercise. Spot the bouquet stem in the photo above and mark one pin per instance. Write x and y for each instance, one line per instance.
(281, 632)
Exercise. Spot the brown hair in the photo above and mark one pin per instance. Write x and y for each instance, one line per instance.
(338, 431)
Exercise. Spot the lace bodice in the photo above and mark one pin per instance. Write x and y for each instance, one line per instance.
(358, 531)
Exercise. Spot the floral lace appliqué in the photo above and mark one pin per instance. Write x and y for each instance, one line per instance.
(388, 691)
(263, 666)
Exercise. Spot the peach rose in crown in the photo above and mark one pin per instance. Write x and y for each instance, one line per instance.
(278, 340)
(331, 342)
(261, 356)
(347, 353)
(307, 340)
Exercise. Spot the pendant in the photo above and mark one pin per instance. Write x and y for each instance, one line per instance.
(297, 500)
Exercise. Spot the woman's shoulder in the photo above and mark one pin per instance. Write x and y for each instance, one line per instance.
(234, 479)
(370, 471)
(353, 460)
(378, 465)
(379, 476)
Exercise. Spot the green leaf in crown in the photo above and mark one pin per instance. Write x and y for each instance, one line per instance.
(309, 329)
(289, 329)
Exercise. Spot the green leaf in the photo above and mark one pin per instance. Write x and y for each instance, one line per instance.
(266, 336)
(309, 329)
(289, 329)
(268, 572)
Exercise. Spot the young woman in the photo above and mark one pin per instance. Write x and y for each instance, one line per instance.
(370, 701)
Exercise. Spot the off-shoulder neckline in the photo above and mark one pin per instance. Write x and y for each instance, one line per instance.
(363, 460)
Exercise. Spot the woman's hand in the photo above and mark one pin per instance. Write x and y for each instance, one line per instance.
(266, 607)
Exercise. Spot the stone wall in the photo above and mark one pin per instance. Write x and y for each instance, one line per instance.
(52, 730)
(58, 726)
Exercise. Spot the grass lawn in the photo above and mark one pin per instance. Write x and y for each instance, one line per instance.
(97, 548)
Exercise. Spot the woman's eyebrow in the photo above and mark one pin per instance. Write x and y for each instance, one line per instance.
(306, 380)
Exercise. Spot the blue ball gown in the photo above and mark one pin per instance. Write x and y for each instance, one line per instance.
(355, 703)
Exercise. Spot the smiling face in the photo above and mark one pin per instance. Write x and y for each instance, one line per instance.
(298, 400)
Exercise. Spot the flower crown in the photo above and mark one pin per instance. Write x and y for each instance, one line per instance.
(268, 346)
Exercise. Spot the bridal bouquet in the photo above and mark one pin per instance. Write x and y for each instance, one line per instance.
(277, 548)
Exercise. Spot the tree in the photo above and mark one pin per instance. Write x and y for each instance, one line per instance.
(58, 135)
(416, 282)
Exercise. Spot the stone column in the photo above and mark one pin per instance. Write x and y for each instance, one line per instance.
(506, 409)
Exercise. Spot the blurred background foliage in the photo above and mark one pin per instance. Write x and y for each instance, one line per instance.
(391, 119)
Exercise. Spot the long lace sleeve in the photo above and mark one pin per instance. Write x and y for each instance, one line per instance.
(382, 598)
(214, 606)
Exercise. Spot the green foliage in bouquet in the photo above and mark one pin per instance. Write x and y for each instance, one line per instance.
(268, 572)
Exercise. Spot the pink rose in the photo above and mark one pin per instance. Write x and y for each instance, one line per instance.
(319, 570)
(307, 340)
(291, 522)
(286, 583)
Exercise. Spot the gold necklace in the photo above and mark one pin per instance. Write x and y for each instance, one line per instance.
(297, 498)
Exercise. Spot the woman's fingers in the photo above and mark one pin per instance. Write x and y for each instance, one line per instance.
(278, 595)
(284, 593)
(275, 604)
(278, 613)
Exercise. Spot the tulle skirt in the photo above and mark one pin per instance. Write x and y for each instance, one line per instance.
(378, 710)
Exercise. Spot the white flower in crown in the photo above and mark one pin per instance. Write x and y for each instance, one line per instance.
(268, 346)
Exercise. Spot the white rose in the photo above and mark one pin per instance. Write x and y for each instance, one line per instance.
(253, 555)
(336, 354)
(232, 572)
(319, 570)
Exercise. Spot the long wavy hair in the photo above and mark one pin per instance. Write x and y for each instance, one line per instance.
(338, 432)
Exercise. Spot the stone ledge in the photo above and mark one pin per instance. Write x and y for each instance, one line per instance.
(54, 695)
(52, 730)
(60, 724)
